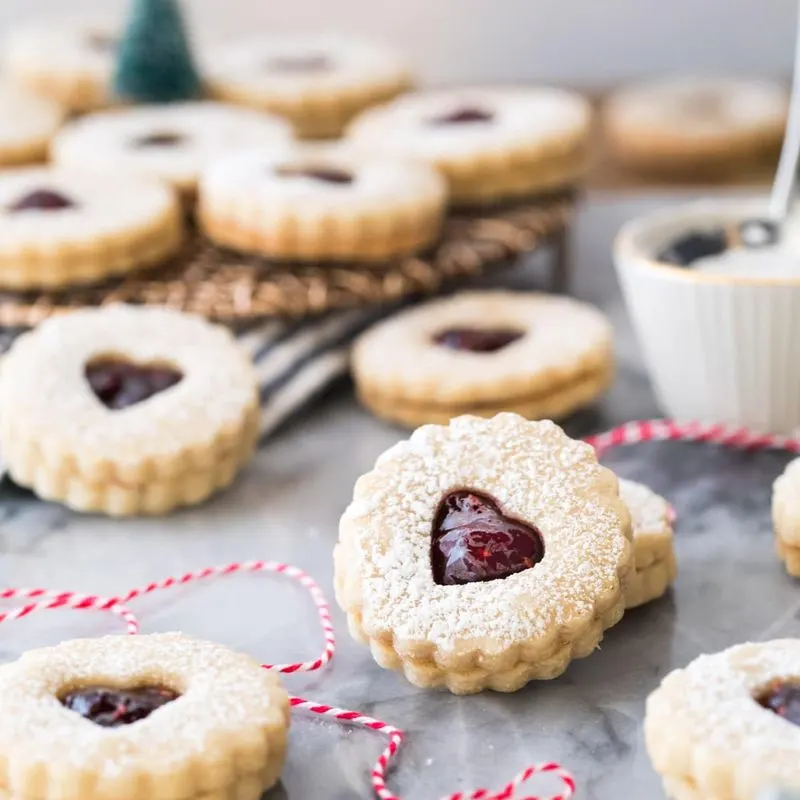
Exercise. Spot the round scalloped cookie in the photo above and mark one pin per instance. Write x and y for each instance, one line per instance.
(491, 143)
(319, 82)
(483, 554)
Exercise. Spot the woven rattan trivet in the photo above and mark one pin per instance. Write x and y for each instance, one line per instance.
(232, 287)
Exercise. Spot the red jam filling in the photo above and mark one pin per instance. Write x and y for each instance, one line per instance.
(477, 340)
(318, 173)
(111, 708)
(41, 200)
(463, 116)
(472, 540)
(119, 384)
(783, 699)
(159, 139)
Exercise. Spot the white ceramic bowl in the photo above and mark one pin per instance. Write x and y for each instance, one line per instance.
(719, 348)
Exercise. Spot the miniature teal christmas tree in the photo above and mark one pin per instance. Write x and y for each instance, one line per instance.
(155, 63)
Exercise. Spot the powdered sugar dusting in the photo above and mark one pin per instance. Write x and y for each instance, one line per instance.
(649, 511)
(45, 396)
(226, 699)
(562, 339)
(712, 704)
(538, 475)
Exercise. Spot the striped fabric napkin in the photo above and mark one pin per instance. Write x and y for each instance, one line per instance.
(296, 361)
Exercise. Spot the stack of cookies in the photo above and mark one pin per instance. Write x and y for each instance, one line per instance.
(489, 553)
(483, 352)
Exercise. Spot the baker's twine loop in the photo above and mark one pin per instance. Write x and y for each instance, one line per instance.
(46, 599)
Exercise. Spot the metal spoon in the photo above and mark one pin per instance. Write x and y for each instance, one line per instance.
(783, 187)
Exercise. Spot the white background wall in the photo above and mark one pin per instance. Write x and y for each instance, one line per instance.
(582, 42)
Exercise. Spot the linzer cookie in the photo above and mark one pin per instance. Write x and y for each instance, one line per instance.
(786, 517)
(492, 144)
(483, 554)
(317, 202)
(61, 227)
(652, 544)
(27, 124)
(728, 726)
(68, 60)
(319, 82)
(127, 410)
(695, 125)
(160, 716)
(173, 142)
(483, 352)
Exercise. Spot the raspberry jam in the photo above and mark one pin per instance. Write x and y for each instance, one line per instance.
(159, 139)
(783, 699)
(111, 708)
(41, 200)
(463, 116)
(119, 384)
(477, 340)
(472, 540)
(323, 174)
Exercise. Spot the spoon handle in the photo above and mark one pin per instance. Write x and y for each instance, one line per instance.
(783, 187)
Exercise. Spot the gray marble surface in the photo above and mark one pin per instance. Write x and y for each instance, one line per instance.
(286, 506)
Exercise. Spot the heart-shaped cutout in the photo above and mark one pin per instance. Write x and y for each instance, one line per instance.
(112, 707)
(41, 200)
(321, 172)
(783, 699)
(472, 540)
(464, 115)
(118, 383)
(477, 340)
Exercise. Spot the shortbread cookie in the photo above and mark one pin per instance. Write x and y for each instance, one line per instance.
(484, 554)
(483, 352)
(27, 124)
(491, 144)
(66, 59)
(319, 82)
(726, 726)
(60, 227)
(128, 717)
(652, 544)
(695, 124)
(127, 410)
(786, 517)
(171, 142)
(312, 202)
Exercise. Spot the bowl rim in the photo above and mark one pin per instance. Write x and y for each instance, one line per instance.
(627, 251)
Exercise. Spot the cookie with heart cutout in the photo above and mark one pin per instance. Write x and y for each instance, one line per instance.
(128, 717)
(484, 554)
(68, 59)
(172, 142)
(317, 82)
(312, 202)
(654, 555)
(493, 144)
(483, 352)
(27, 124)
(63, 227)
(786, 517)
(727, 726)
(127, 410)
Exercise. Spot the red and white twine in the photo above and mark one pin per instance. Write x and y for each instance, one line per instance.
(45, 599)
